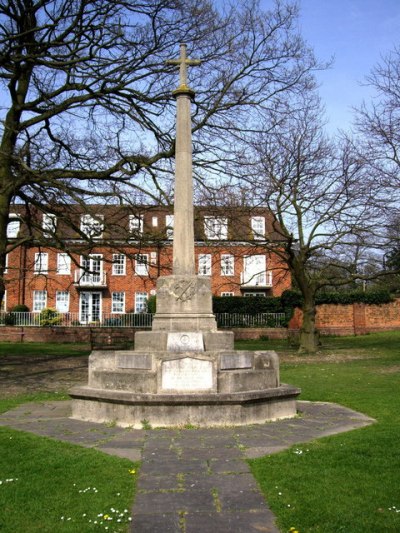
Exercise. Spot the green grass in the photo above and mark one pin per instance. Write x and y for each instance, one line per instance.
(49, 486)
(349, 482)
(39, 349)
(346, 483)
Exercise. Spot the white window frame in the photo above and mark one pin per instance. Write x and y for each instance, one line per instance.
(118, 302)
(6, 265)
(136, 224)
(169, 226)
(13, 226)
(227, 265)
(62, 301)
(89, 296)
(92, 226)
(205, 268)
(39, 301)
(254, 294)
(142, 265)
(91, 269)
(119, 265)
(227, 293)
(140, 302)
(49, 224)
(154, 221)
(258, 227)
(41, 265)
(63, 264)
(3, 307)
(254, 274)
(216, 228)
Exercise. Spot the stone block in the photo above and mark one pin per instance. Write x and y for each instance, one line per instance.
(218, 340)
(124, 380)
(236, 360)
(133, 360)
(191, 341)
(246, 380)
(188, 374)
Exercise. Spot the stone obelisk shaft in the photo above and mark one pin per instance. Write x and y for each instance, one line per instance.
(183, 243)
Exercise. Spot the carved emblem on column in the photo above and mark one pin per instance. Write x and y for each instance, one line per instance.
(184, 290)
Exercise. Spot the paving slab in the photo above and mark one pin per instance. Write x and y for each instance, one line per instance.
(192, 480)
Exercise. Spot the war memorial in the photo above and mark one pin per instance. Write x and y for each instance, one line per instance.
(183, 371)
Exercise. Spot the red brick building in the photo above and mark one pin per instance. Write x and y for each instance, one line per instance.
(104, 260)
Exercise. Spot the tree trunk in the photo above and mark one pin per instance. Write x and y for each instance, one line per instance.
(309, 341)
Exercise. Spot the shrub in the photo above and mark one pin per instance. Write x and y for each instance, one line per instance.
(113, 321)
(152, 304)
(50, 317)
(9, 319)
(20, 308)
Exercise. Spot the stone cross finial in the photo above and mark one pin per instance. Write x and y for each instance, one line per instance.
(183, 62)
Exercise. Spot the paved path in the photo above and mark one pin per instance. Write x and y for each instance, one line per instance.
(192, 481)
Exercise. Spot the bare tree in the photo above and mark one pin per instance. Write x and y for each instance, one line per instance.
(88, 109)
(326, 207)
(378, 121)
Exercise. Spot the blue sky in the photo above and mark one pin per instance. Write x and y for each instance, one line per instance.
(357, 33)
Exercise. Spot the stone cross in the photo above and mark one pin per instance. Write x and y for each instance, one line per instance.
(183, 243)
(183, 62)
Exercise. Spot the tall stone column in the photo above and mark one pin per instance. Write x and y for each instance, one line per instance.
(184, 300)
(183, 243)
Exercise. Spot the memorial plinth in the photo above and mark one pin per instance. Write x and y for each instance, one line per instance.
(183, 371)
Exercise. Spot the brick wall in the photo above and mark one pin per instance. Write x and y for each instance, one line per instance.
(353, 319)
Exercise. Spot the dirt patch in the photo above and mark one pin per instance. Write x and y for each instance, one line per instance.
(333, 357)
(20, 375)
(395, 369)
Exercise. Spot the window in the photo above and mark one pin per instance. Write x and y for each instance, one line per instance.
(258, 227)
(154, 221)
(3, 306)
(153, 258)
(92, 227)
(13, 226)
(118, 302)
(39, 301)
(140, 302)
(255, 295)
(62, 301)
(142, 265)
(205, 265)
(63, 264)
(227, 294)
(254, 270)
(6, 265)
(216, 228)
(169, 226)
(49, 224)
(92, 269)
(41, 265)
(136, 223)
(118, 265)
(227, 265)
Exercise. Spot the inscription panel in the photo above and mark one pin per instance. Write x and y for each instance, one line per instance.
(187, 374)
(185, 341)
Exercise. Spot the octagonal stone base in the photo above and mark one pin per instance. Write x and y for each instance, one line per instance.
(164, 389)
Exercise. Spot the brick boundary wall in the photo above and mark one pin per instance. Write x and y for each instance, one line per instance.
(353, 319)
(331, 319)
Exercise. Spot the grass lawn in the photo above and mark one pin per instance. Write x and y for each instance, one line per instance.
(349, 482)
(37, 349)
(49, 486)
(346, 483)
